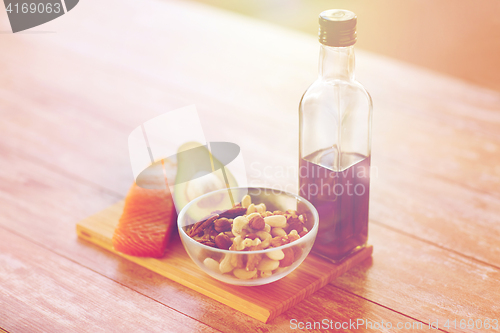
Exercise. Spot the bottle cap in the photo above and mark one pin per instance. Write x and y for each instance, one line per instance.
(337, 27)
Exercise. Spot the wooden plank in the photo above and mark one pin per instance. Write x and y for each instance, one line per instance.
(424, 280)
(437, 211)
(45, 209)
(28, 189)
(450, 145)
(337, 306)
(43, 140)
(263, 303)
(461, 117)
(31, 193)
(465, 114)
(44, 206)
(329, 302)
(45, 292)
(453, 216)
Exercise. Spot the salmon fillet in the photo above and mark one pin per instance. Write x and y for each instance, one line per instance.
(146, 223)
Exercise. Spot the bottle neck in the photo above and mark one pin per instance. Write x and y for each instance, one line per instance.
(336, 63)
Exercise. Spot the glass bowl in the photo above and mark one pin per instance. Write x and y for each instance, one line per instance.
(252, 266)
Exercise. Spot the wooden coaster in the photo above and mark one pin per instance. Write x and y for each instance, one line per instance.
(260, 302)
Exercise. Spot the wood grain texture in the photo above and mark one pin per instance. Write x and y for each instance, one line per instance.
(69, 99)
(424, 280)
(56, 203)
(45, 292)
(455, 114)
(263, 303)
(383, 266)
(442, 43)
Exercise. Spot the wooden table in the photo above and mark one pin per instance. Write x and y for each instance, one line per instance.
(71, 93)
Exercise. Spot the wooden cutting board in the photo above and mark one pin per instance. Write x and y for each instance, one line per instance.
(260, 302)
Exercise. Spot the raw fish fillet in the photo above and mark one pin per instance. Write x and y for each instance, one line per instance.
(146, 223)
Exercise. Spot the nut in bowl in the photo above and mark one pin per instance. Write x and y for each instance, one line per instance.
(261, 239)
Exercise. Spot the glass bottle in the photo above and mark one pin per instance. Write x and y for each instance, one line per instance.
(335, 141)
